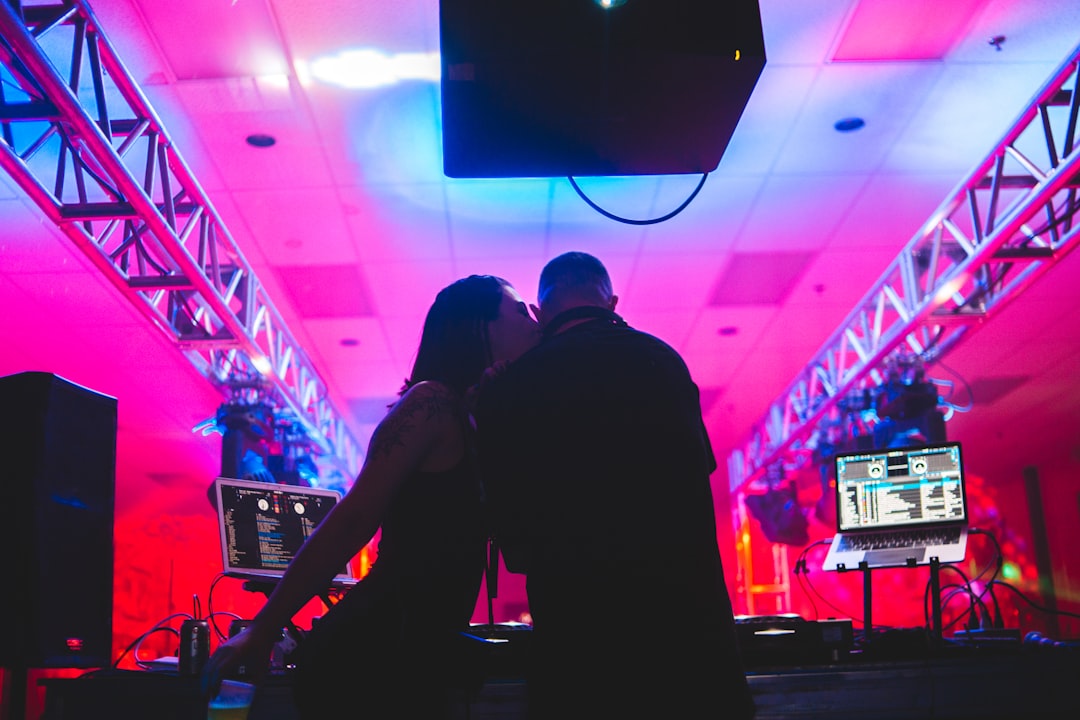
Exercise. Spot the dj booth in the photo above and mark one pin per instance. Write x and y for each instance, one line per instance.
(791, 680)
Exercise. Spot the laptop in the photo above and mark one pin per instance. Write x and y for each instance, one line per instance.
(899, 507)
(262, 525)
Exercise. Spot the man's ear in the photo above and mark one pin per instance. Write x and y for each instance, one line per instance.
(613, 303)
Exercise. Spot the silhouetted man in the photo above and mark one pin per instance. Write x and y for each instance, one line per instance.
(596, 464)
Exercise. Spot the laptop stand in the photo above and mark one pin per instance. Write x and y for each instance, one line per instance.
(936, 631)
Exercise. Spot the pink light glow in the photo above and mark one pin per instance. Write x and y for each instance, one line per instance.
(905, 29)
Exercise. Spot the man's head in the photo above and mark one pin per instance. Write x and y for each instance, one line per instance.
(573, 279)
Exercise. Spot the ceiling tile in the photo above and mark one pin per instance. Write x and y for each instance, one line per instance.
(1034, 30)
(379, 135)
(710, 223)
(721, 338)
(885, 96)
(227, 112)
(957, 126)
(124, 26)
(328, 26)
(362, 365)
(403, 338)
(233, 39)
(397, 223)
(891, 209)
(298, 226)
(407, 289)
(768, 119)
(801, 33)
(839, 279)
(491, 218)
(370, 411)
(671, 282)
(326, 291)
(809, 208)
(904, 29)
(758, 278)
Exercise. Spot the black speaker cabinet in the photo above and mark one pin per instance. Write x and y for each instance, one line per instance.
(57, 485)
(594, 87)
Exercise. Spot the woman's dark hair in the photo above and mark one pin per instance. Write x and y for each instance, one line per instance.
(454, 347)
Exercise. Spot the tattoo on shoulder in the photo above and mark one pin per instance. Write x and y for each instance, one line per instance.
(421, 405)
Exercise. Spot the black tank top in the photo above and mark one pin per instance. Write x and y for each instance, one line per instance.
(434, 526)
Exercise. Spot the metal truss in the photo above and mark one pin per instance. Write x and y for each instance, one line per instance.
(1005, 225)
(92, 154)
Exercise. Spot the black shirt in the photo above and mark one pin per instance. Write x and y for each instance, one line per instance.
(596, 466)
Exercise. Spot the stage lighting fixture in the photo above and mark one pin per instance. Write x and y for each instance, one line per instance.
(565, 88)
(781, 518)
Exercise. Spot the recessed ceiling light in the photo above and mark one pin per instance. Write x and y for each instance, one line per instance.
(849, 124)
(260, 140)
(728, 331)
(349, 342)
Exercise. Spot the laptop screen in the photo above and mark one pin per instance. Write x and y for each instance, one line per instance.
(899, 487)
(262, 525)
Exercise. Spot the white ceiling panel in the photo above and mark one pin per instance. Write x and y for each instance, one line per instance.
(403, 337)
(1043, 30)
(965, 114)
(378, 134)
(802, 33)
(722, 338)
(709, 224)
(768, 120)
(797, 212)
(395, 223)
(407, 289)
(218, 39)
(891, 209)
(228, 111)
(355, 353)
(490, 219)
(671, 282)
(317, 29)
(298, 226)
(885, 95)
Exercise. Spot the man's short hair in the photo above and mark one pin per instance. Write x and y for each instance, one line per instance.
(574, 272)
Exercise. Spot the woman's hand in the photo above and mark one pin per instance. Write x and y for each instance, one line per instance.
(248, 653)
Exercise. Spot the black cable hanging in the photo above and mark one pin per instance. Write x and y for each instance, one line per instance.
(630, 221)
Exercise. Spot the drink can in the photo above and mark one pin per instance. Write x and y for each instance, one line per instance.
(238, 626)
(194, 646)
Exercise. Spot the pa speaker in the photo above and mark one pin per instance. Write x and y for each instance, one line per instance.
(594, 87)
(57, 481)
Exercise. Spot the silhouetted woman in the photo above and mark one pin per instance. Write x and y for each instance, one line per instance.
(383, 649)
